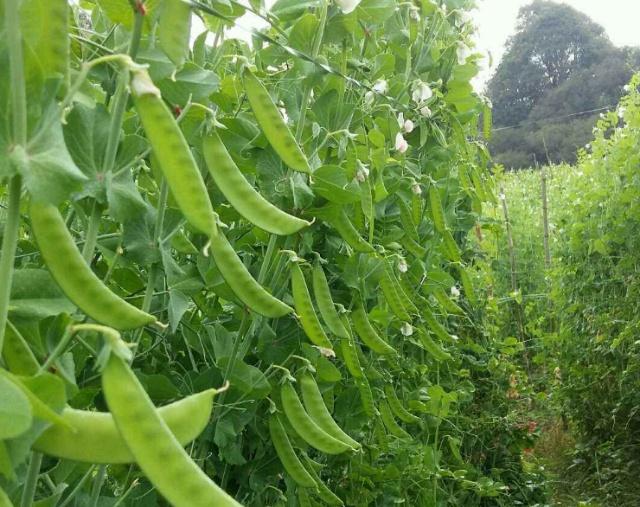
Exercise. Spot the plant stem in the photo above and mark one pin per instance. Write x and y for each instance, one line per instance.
(78, 487)
(317, 41)
(91, 236)
(98, 481)
(31, 480)
(16, 69)
(9, 245)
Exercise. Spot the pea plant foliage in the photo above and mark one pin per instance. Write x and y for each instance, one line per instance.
(237, 272)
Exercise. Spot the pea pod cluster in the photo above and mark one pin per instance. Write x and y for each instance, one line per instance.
(155, 448)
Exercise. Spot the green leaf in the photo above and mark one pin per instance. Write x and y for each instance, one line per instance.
(248, 379)
(191, 82)
(303, 32)
(49, 172)
(35, 295)
(291, 9)
(15, 410)
(331, 182)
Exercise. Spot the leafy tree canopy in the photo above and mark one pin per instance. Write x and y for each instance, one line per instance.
(558, 63)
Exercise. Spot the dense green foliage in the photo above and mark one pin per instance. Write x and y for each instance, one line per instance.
(583, 339)
(559, 63)
(377, 106)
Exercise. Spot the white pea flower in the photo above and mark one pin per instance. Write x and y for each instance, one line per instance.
(408, 126)
(403, 267)
(621, 111)
(626, 88)
(325, 351)
(401, 143)
(406, 329)
(347, 6)
(401, 120)
(380, 86)
(464, 17)
(414, 12)
(426, 112)
(463, 52)
(362, 173)
(416, 189)
(421, 93)
(455, 292)
(369, 97)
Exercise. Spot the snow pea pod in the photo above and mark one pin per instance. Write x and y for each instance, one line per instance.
(304, 426)
(315, 406)
(368, 334)
(95, 438)
(242, 196)
(325, 303)
(5, 501)
(304, 309)
(287, 455)
(273, 125)
(74, 276)
(397, 408)
(156, 450)
(248, 290)
(389, 421)
(173, 154)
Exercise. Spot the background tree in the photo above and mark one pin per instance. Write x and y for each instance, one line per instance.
(558, 63)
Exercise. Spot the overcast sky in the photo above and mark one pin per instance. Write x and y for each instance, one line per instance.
(496, 20)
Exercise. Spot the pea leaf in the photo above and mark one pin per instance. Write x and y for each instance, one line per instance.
(35, 295)
(331, 182)
(49, 172)
(15, 410)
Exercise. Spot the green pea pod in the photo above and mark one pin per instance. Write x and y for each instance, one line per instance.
(304, 426)
(74, 276)
(173, 154)
(325, 494)
(338, 219)
(467, 285)
(325, 303)
(317, 410)
(397, 408)
(446, 303)
(174, 30)
(158, 453)
(272, 124)
(287, 455)
(412, 247)
(407, 221)
(366, 397)
(5, 501)
(451, 248)
(436, 350)
(434, 326)
(437, 213)
(243, 285)
(392, 298)
(368, 334)
(303, 498)
(349, 355)
(242, 196)
(416, 208)
(478, 184)
(400, 290)
(92, 437)
(17, 354)
(389, 421)
(304, 309)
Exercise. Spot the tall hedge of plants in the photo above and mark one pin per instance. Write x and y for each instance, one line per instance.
(376, 96)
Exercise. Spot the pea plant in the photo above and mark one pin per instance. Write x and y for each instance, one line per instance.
(238, 272)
